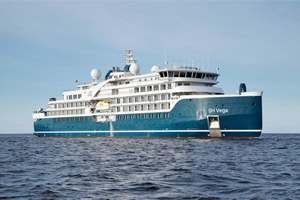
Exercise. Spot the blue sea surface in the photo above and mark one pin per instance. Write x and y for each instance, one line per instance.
(177, 168)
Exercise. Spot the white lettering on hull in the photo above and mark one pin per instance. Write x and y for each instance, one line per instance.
(218, 110)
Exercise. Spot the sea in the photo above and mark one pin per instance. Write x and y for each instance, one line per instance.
(127, 168)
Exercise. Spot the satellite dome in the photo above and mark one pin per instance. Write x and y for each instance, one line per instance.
(95, 74)
(134, 68)
(155, 68)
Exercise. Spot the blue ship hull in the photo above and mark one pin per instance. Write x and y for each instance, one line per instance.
(239, 117)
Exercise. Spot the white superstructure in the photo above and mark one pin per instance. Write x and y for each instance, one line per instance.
(128, 91)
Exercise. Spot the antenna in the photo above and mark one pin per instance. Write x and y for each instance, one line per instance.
(184, 59)
(165, 52)
(207, 56)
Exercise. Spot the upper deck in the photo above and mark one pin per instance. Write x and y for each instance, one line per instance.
(129, 90)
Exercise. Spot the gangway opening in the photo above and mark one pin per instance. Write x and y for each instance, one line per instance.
(214, 126)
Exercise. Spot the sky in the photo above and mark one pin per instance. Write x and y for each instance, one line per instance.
(46, 45)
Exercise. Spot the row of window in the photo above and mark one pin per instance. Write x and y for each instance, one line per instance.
(71, 119)
(143, 107)
(66, 112)
(150, 88)
(74, 96)
(155, 97)
(70, 105)
(120, 117)
(144, 116)
(183, 74)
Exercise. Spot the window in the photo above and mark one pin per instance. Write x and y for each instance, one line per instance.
(143, 89)
(75, 96)
(149, 98)
(156, 87)
(124, 100)
(79, 96)
(70, 97)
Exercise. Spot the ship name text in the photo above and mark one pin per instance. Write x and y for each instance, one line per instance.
(217, 110)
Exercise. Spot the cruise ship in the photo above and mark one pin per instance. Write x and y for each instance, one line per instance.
(171, 101)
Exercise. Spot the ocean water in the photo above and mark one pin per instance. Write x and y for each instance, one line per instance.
(177, 168)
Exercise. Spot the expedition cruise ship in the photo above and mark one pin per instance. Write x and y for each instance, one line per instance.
(176, 101)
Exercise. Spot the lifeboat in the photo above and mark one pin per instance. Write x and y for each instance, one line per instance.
(103, 105)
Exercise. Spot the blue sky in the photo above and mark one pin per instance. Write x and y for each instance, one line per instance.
(46, 45)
